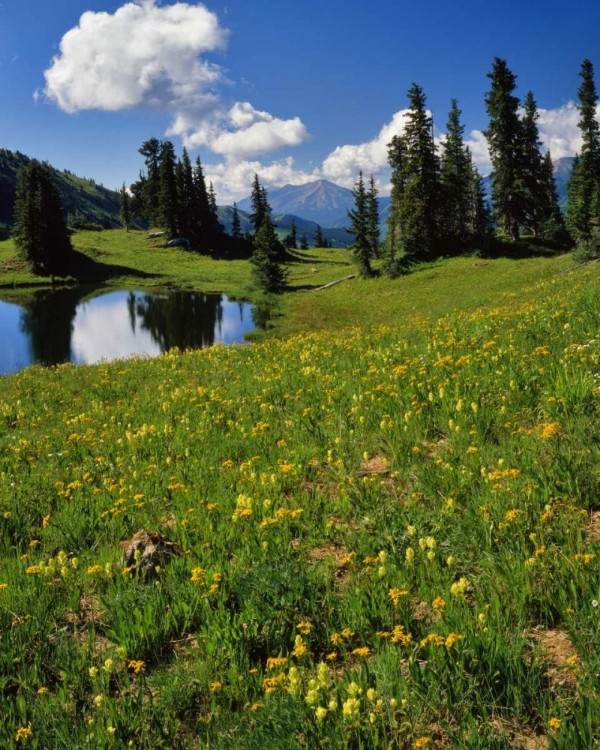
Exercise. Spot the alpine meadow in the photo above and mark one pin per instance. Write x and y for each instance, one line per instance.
(374, 523)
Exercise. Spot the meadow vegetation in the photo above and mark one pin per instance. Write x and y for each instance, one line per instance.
(387, 536)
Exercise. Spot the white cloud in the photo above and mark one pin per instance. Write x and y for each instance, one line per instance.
(232, 179)
(478, 146)
(559, 131)
(149, 54)
(343, 163)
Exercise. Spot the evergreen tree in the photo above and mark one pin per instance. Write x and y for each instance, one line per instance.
(267, 274)
(505, 139)
(168, 198)
(533, 167)
(215, 226)
(552, 223)
(187, 199)
(202, 213)
(480, 223)
(40, 229)
(456, 181)
(125, 208)
(359, 227)
(583, 205)
(291, 240)
(394, 246)
(414, 210)
(260, 205)
(148, 186)
(303, 242)
(373, 219)
(236, 226)
(319, 239)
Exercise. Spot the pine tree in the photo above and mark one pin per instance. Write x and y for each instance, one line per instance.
(480, 222)
(260, 205)
(394, 247)
(583, 205)
(149, 184)
(552, 223)
(40, 229)
(303, 242)
(373, 218)
(291, 240)
(267, 274)
(414, 211)
(236, 226)
(456, 184)
(168, 198)
(202, 214)
(359, 227)
(187, 199)
(215, 225)
(125, 208)
(533, 167)
(319, 240)
(505, 139)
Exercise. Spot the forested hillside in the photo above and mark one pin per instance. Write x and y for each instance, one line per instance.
(82, 199)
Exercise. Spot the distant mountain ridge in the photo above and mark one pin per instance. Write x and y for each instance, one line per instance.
(92, 202)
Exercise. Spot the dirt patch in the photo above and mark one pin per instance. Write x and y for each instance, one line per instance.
(375, 465)
(592, 530)
(420, 610)
(338, 555)
(433, 449)
(558, 650)
(147, 550)
(519, 736)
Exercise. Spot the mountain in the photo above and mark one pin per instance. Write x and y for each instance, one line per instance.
(80, 197)
(338, 237)
(320, 201)
(562, 174)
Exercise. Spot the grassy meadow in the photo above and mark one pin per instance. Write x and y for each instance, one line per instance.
(387, 536)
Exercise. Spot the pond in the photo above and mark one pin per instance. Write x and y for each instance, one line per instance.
(86, 325)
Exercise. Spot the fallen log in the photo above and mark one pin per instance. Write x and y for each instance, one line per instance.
(333, 283)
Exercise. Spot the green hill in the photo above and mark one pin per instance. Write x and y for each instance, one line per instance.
(81, 197)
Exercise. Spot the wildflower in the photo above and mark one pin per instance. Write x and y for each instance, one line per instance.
(411, 530)
(3, 586)
(395, 595)
(98, 700)
(197, 574)
(216, 686)
(332, 705)
(273, 662)
(108, 665)
(320, 713)
(554, 723)
(137, 666)
(421, 742)
(24, 733)
(299, 647)
(45, 521)
(409, 555)
(304, 627)
(363, 651)
(93, 569)
(594, 603)
(312, 697)
(93, 671)
(351, 708)
(438, 605)
(452, 639)
(43, 691)
(459, 587)
(354, 689)
(372, 695)
(332, 656)
(450, 561)
(322, 674)
(257, 706)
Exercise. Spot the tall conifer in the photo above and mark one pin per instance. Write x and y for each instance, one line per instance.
(359, 227)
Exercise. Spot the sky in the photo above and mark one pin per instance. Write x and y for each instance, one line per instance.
(292, 91)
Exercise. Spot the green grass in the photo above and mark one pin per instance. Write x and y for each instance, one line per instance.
(391, 534)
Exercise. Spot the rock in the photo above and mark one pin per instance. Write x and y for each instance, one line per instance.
(148, 550)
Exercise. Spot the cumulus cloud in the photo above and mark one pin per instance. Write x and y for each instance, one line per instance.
(149, 54)
(559, 131)
(343, 163)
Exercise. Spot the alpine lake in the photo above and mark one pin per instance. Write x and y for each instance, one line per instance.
(91, 324)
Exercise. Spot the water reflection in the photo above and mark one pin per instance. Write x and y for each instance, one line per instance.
(83, 325)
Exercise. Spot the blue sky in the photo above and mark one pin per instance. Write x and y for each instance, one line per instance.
(293, 91)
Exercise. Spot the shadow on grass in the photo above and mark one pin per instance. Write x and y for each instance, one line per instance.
(87, 270)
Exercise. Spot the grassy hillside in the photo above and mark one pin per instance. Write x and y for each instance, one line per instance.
(386, 537)
(92, 202)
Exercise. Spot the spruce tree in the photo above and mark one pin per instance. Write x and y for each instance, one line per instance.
(260, 205)
(533, 167)
(359, 227)
(291, 240)
(583, 206)
(187, 199)
(267, 274)
(505, 139)
(40, 230)
(456, 180)
(552, 222)
(168, 198)
(125, 210)
(319, 240)
(303, 242)
(236, 226)
(394, 247)
(373, 218)
(202, 214)
(215, 226)
(149, 185)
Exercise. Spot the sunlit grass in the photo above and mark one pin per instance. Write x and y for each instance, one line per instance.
(389, 535)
